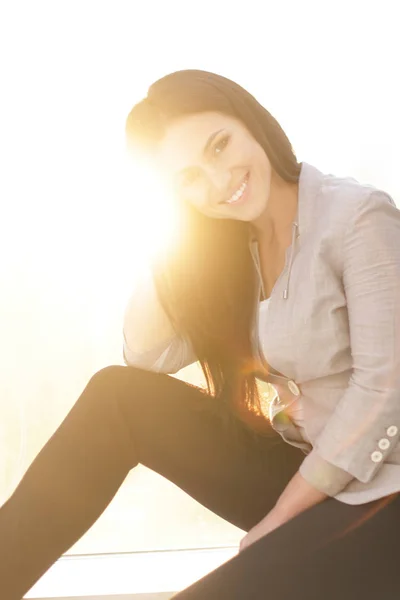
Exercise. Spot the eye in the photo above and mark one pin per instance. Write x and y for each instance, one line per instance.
(220, 145)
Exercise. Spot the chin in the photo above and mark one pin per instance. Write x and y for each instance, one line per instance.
(253, 215)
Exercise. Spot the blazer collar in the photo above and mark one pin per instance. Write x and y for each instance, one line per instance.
(310, 181)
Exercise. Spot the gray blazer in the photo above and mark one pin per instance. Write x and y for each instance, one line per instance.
(331, 338)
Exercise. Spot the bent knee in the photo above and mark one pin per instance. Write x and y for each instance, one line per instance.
(115, 376)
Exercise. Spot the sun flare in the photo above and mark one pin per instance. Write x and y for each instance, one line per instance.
(151, 207)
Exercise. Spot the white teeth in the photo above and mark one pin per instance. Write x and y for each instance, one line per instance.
(235, 197)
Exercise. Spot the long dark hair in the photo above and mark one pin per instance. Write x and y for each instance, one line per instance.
(207, 285)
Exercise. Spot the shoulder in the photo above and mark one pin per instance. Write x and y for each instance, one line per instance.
(347, 195)
(340, 213)
(341, 201)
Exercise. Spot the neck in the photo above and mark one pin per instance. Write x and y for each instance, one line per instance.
(275, 222)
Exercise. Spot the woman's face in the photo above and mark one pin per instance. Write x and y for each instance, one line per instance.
(214, 163)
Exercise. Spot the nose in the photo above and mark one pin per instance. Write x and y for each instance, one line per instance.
(219, 179)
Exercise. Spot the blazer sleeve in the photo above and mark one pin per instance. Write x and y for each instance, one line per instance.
(149, 340)
(365, 426)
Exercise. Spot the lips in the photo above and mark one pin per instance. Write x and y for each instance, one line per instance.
(238, 193)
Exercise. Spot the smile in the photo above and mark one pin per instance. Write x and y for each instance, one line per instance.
(238, 195)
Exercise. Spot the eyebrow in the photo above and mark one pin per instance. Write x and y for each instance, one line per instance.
(210, 140)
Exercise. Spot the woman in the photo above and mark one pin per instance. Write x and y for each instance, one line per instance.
(281, 275)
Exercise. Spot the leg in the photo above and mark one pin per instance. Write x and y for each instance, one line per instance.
(123, 417)
(333, 551)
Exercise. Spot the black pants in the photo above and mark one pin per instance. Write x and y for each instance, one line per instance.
(127, 416)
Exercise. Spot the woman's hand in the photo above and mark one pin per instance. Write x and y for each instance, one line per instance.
(297, 497)
(273, 520)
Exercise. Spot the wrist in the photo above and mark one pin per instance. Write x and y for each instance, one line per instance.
(297, 497)
(284, 510)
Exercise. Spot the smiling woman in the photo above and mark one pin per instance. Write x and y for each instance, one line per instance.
(212, 166)
(240, 191)
(219, 151)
